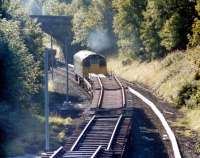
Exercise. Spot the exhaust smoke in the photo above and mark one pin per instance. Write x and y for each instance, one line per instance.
(99, 40)
(33, 7)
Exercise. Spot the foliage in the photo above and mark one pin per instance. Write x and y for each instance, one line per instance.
(170, 32)
(4, 4)
(21, 71)
(21, 56)
(33, 39)
(126, 25)
(56, 120)
(150, 31)
(85, 20)
(56, 7)
(95, 16)
(189, 95)
(194, 38)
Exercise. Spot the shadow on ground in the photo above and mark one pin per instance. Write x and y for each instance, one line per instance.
(146, 140)
(58, 106)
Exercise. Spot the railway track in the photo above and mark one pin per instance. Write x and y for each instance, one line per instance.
(108, 93)
(102, 137)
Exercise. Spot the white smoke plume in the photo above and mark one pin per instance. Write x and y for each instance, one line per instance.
(33, 7)
(99, 40)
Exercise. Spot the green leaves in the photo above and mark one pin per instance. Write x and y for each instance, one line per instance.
(194, 37)
(88, 19)
(170, 32)
(84, 22)
(126, 25)
(152, 28)
(20, 59)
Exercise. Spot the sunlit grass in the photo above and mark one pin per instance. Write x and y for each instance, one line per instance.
(51, 86)
(57, 120)
(192, 123)
(193, 119)
(61, 136)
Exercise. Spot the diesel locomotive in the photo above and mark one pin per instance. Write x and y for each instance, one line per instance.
(87, 62)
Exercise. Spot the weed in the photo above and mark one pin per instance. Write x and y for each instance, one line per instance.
(197, 147)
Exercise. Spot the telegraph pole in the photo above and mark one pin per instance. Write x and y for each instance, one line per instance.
(52, 57)
(46, 94)
(67, 74)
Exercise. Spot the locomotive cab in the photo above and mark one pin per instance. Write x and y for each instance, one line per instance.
(86, 62)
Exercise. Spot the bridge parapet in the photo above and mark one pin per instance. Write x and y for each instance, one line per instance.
(59, 27)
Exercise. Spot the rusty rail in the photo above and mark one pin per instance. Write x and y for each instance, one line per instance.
(57, 153)
(114, 132)
(96, 152)
(82, 133)
(122, 91)
(101, 93)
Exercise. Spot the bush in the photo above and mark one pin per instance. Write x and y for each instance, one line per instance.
(194, 37)
(189, 95)
(171, 59)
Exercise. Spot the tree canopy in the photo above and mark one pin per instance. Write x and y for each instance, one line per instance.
(20, 55)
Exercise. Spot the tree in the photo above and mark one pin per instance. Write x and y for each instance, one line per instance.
(21, 55)
(21, 71)
(56, 7)
(170, 33)
(184, 11)
(4, 4)
(194, 37)
(126, 25)
(33, 39)
(149, 31)
(86, 20)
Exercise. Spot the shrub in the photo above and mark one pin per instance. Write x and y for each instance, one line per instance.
(189, 95)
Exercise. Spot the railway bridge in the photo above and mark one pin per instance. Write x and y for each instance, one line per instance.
(60, 29)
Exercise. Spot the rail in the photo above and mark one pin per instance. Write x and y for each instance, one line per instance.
(123, 91)
(71, 66)
(82, 133)
(96, 152)
(101, 93)
(89, 86)
(57, 152)
(114, 132)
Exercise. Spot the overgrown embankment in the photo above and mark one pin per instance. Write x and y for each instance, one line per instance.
(176, 79)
